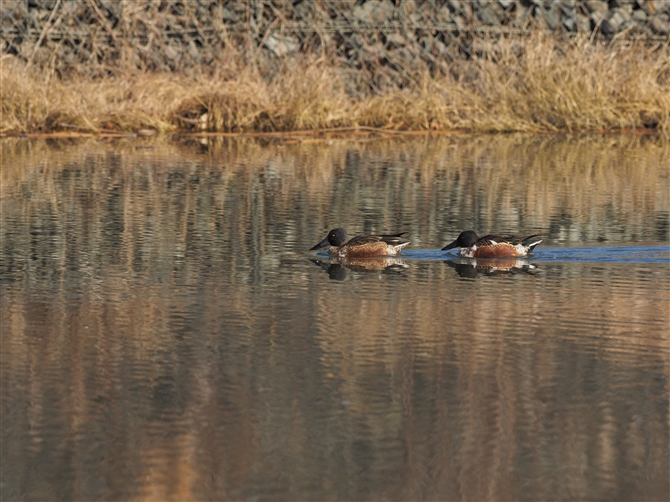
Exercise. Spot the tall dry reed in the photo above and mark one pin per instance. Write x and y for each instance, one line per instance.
(537, 83)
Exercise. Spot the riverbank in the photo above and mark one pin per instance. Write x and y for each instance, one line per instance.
(529, 84)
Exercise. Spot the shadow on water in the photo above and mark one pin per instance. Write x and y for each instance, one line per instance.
(166, 335)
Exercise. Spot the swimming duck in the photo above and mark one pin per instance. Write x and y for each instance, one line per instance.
(362, 246)
(492, 245)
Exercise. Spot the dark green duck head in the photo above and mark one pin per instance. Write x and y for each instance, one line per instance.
(336, 237)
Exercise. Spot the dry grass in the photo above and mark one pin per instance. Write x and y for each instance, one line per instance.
(532, 84)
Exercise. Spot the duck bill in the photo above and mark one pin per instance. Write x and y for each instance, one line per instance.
(321, 244)
(451, 246)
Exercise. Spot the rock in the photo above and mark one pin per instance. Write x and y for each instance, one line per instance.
(440, 16)
(416, 18)
(661, 24)
(455, 6)
(583, 23)
(597, 6)
(170, 52)
(489, 13)
(304, 10)
(606, 28)
(627, 5)
(523, 15)
(193, 49)
(640, 16)
(437, 48)
(461, 23)
(228, 15)
(468, 11)
(618, 21)
(374, 12)
(406, 11)
(657, 6)
(569, 23)
(395, 40)
(281, 46)
(551, 17)
(567, 9)
(598, 17)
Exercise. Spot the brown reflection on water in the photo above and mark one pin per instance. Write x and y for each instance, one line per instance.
(337, 268)
(421, 387)
(165, 337)
(576, 190)
(468, 267)
(525, 390)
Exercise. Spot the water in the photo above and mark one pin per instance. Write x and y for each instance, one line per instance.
(166, 336)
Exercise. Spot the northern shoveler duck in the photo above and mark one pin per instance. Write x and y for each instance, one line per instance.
(492, 246)
(362, 246)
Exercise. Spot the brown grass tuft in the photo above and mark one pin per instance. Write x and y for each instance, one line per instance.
(536, 83)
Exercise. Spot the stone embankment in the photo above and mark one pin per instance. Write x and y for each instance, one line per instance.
(641, 17)
(98, 35)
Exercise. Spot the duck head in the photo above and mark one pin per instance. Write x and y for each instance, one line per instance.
(336, 237)
(465, 240)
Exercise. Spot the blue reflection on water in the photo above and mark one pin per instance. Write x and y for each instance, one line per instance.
(619, 254)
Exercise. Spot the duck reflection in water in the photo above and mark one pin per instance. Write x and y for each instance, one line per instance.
(472, 267)
(337, 267)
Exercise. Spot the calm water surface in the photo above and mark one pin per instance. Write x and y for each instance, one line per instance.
(166, 336)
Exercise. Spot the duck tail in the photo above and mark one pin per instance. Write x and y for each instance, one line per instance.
(395, 239)
(532, 246)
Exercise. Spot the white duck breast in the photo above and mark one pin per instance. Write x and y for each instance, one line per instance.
(468, 252)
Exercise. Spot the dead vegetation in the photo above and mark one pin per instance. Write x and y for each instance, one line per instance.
(537, 83)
